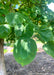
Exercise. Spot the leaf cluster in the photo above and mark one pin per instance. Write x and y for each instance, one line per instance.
(23, 20)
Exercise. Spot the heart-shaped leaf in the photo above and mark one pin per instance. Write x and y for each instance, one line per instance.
(25, 51)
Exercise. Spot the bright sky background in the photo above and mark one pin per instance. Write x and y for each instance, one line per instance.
(51, 6)
(17, 6)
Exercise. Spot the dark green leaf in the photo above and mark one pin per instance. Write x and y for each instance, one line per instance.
(49, 48)
(28, 30)
(45, 34)
(4, 31)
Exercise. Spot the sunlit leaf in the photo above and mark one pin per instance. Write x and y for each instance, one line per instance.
(25, 51)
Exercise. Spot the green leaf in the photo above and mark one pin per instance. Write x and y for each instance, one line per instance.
(25, 51)
(28, 30)
(14, 19)
(33, 1)
(18, 30)
(49, 48)
(4, 31)
(2, 19)
(45, 34)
